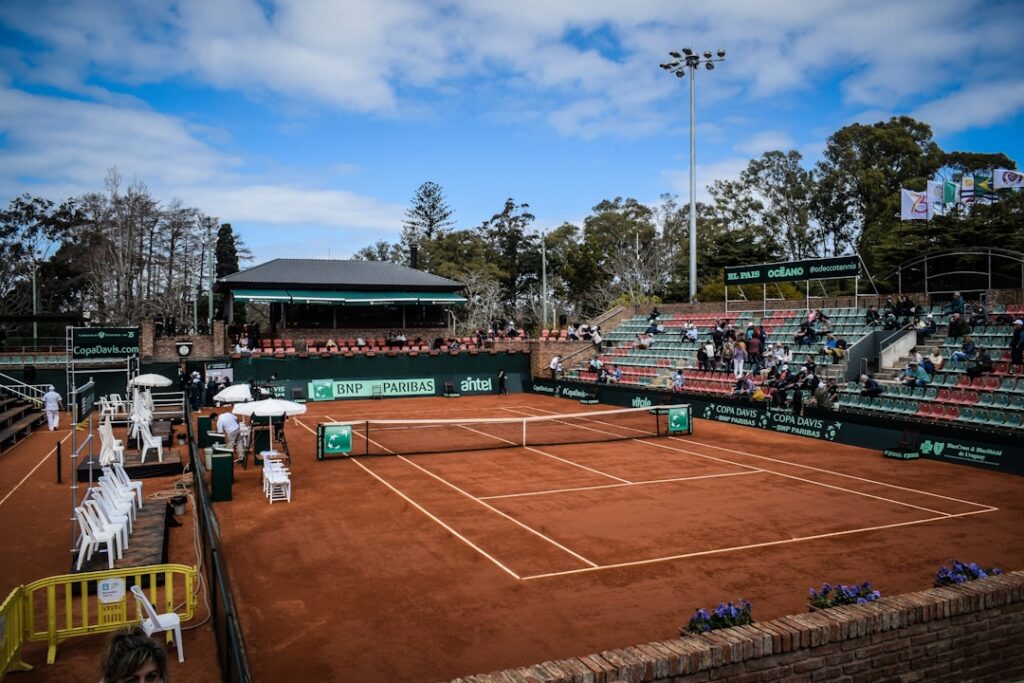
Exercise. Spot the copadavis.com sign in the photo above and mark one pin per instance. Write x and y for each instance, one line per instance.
(812, 269)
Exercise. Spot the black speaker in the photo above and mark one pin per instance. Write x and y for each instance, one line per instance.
(562, 320)
(297, 394)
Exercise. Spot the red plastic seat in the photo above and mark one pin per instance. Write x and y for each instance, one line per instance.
(952, 412)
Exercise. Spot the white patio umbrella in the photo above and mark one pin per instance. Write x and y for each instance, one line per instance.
(150, 380)
(236, 393)
(270, 407)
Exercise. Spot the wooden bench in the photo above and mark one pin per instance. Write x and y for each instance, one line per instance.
(20, 429)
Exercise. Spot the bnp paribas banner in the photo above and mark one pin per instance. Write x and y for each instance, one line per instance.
(791, 271)
(335, 389)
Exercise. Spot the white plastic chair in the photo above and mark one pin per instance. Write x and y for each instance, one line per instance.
(158, 623)
(277, 484)
(111, 449)
(101, 518)
(147, 441)
(117, 469)
(115, 503)
(91, 538)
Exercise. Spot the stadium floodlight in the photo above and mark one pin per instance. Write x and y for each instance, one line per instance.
(692, 61)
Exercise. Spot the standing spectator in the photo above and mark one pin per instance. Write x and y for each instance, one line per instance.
(727, 350)
(653, 317)
(571, 332)
(754, 354)
(709, 352)
(211, 389)
(739, 357)
(502, 377)
(227, 424)
(702, 357)
(52, 403)
(957, 305)
(197, 391)
(982, 363)
(596, 337)
(555, 366)
(678, 380)
(1017, 347)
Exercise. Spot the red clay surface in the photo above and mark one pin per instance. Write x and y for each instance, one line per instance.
(435, 566)
(35, 542)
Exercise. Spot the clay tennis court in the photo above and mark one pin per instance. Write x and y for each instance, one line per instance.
(433, 566)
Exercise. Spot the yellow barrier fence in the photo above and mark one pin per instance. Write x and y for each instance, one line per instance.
(72, 605)
(12, 632)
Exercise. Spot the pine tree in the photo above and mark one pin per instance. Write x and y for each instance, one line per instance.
(426, 219)
(227, 251)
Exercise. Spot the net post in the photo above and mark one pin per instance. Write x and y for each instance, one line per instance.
(524, 432)
(366, 436)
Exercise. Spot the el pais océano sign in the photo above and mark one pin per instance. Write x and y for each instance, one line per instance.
(791, 271)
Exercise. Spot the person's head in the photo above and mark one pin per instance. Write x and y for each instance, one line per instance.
(1018, 323)
(133, 657)
(968, 340)
(50, 388)
(863, 379)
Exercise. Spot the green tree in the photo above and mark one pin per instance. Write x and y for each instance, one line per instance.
(427, 218)
(514, 250)
(381, 250)
(784, 188)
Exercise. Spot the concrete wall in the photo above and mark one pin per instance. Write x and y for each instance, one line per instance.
(970, 632)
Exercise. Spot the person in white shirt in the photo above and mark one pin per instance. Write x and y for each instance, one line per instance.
(555, 366)
(52, 405)
(227, 424)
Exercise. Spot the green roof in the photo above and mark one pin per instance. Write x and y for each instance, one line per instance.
(350, 298)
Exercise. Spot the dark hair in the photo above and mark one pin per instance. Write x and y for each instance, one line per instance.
(130, 649)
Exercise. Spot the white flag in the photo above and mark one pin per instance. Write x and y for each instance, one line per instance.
(1006, 178)
(935, 196)
(913, 206)
(967, 189)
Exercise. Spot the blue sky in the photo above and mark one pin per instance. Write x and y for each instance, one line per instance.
(308, 124)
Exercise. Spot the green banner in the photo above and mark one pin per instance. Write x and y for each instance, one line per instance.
(330, 390)
(337, 439)
(679, 420)
(812, 269)
(104, 342)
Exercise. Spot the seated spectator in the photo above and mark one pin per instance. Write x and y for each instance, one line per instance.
(966, 352)
(915, 376)
(654, 315)
(454, 345)
(810, 365)
(889, 321)
(602, 376)
(360, 342)
(979, 316)
(872, 318)
(828, 349)
(982, 363)
(758, 396)
(904, 307)
(744, 385)
(823, 397)
(957, 305)
(806, 335)
(936, 359)
(595, 364)
(644, 340)
(958, 327)
(653, 327)
(571, 332)
(691, 333)
(678, 380)
(617, 375)
(870, 387)
(512, 330)
(401, 339)
(915, 356)
(925, 328)
(331, 345)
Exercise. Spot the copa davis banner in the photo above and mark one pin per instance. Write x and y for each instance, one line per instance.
(941, 442)
(791, 271)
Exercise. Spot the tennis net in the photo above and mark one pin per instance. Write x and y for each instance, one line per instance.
(405, 437)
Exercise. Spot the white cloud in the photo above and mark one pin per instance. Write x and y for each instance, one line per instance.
(977, 105)
(678, 180)
(766, 141)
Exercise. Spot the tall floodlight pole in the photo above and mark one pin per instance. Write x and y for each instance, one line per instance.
(682, 61)
(544, 274)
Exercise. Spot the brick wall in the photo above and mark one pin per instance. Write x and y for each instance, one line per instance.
(974, 632)
(204, 347)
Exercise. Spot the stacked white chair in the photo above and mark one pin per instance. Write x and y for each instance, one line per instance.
(103, 518)
(152, 622)
(147, 442)
(277, 484)
(90, 538)
(117, 472)
(111, 449)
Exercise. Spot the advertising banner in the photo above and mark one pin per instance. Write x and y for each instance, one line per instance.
(811, 269)
(104, 342)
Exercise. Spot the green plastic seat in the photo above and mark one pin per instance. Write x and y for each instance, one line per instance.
(1001, 401)
(987, 400)
(931, 393)
(981, 415)
(997, 418)
(1017, 402)
(1014, 420)
(967, 414)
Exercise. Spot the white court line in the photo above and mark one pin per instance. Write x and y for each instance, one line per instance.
(718, 551)
(808, 467)
(429, 514)
(487, 505)
(615, 486)
(32, 471)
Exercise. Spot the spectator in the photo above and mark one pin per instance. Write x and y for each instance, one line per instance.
(133, 657)
(957, 305)
(982, 363)
(958, 327)
(754, 354)
(829, 347)
(211, 389)
(196, 391)
(739, 357)
(889, 321)
(727, 350)
(810, 365)
(702, 357)
(502, 382)
(904, 307)
(979, 316)
(227, 424)
(872, 318)
(966, 352)
(617, 375)
(596, 337)
(744, 385)
(691, 332)
(1017, 347)
(602, 376)
(709, 352)
(571, 332)
(555, 366)
(915, 376)
(595, 364)
(824, 397)
(678, 380)
(653, 317)
(925, 328)
(936, 358)
(644, 340)
(870, 387)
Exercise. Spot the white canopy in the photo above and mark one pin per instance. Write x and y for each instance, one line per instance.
(150, 380)
(270, 407)
(236, 393)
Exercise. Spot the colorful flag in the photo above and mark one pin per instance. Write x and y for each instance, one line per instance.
(950, 192)
(935, 197)
(1004, 177)
(983, 190)
(913, 206)
(967, 189)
